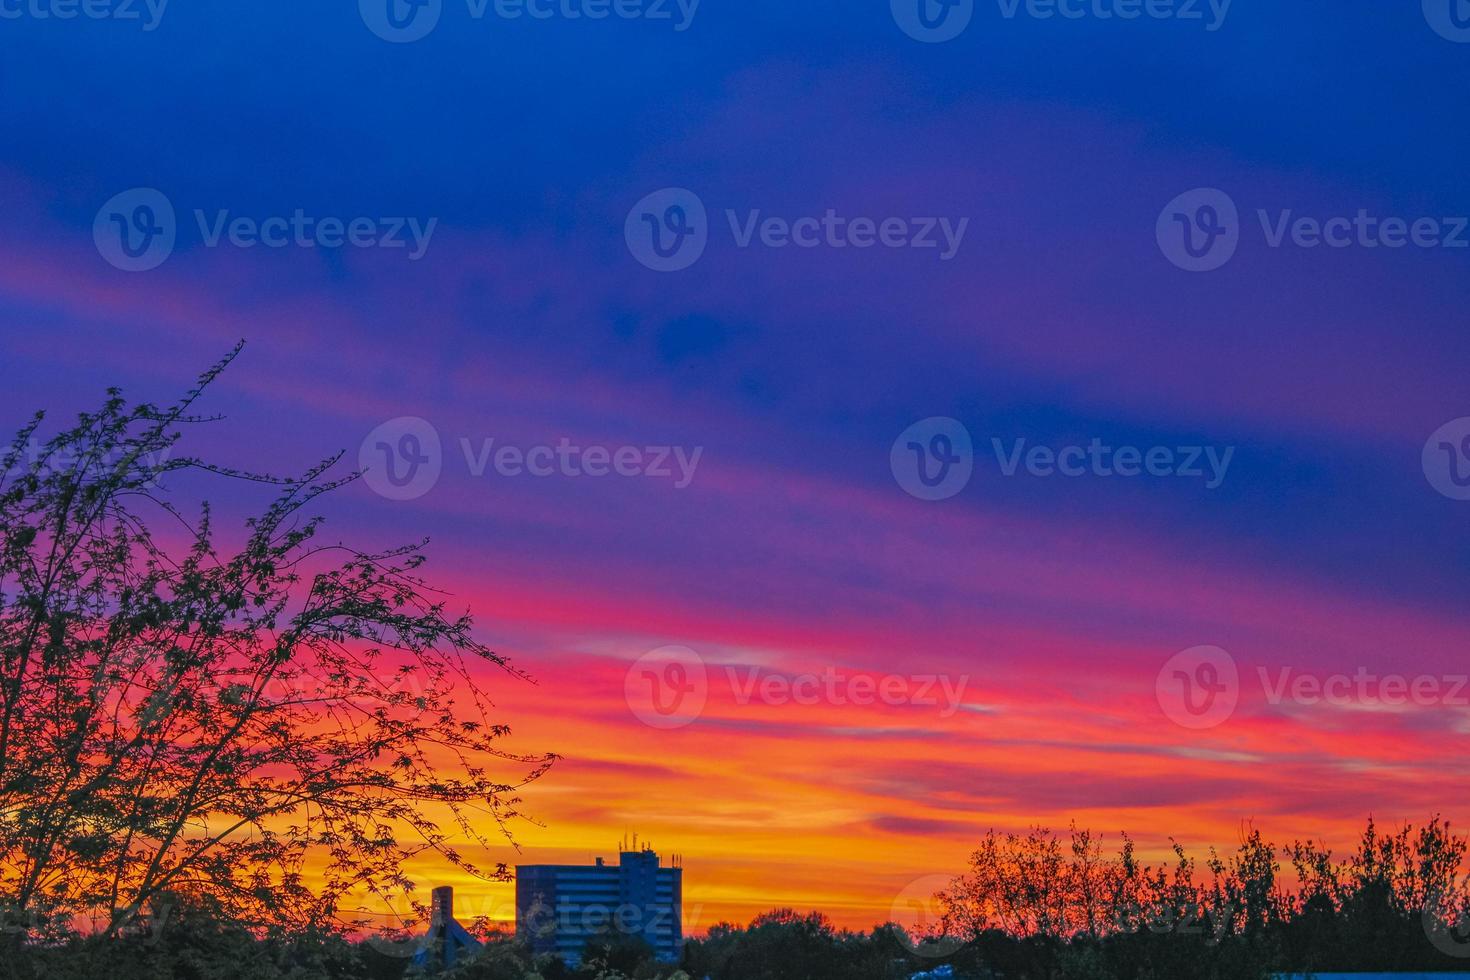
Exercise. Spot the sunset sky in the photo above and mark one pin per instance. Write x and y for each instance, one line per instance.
(1049, 605)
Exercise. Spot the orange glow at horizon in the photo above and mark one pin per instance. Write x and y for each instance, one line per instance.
(840, 807)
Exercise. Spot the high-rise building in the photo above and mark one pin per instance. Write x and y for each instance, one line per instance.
(561, 907)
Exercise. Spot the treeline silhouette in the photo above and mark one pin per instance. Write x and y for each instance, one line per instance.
(209, 750)
(1027, 907)
(1043, 905)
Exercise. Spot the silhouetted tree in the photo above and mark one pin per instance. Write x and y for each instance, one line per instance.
(1031, 905)
(182, 720)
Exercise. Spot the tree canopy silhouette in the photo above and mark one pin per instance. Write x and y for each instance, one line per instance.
(182, 721)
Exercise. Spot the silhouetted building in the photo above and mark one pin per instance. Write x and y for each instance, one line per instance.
(561, 907)
(447, 942)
